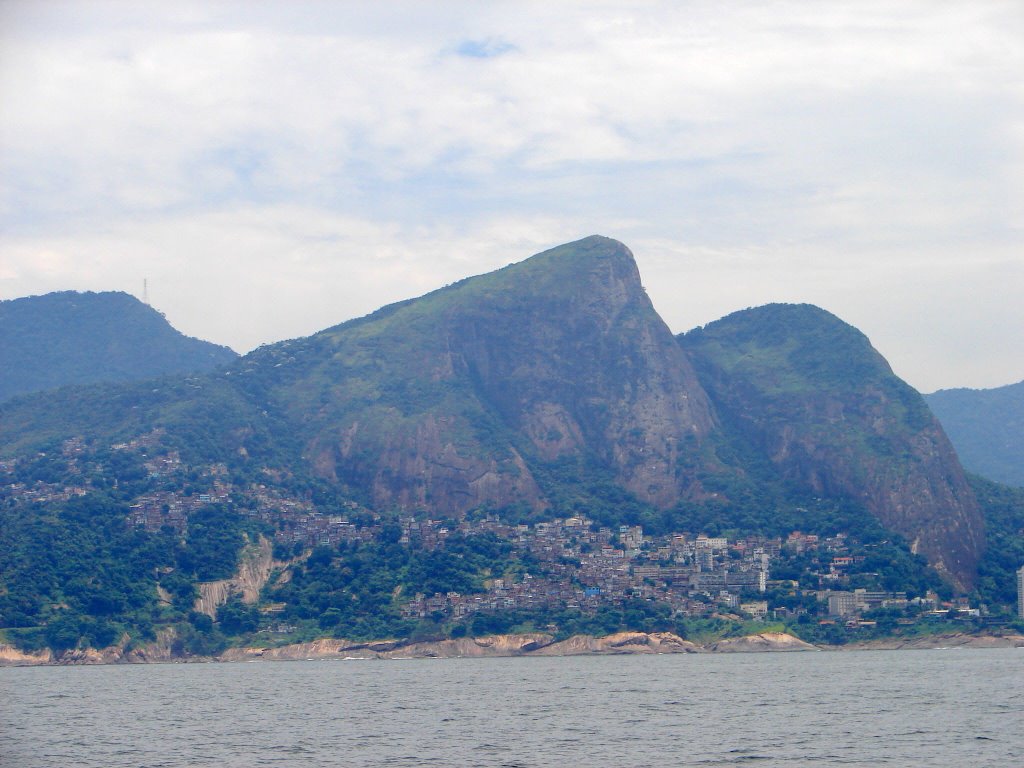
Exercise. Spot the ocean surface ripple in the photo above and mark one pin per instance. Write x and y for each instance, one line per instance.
(901, 708)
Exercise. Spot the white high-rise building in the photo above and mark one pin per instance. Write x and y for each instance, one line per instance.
(1020, 592)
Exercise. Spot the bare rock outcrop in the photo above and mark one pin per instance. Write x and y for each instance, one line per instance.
(621, 643)
(324, 648)
(466, 647)
(254, 567)
(12, 657)
(765, 641)
(527, 644)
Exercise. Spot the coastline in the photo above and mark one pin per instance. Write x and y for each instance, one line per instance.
(492, 646)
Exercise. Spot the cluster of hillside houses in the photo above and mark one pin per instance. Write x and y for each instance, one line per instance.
(579, 564)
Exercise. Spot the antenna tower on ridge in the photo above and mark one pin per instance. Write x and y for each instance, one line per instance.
(145, 291)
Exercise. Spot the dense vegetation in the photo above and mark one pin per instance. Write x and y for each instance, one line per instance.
(351, 590)
(1004, 529)
(77, 573)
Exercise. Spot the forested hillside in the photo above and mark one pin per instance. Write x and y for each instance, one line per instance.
(987, 429)
(83, 338)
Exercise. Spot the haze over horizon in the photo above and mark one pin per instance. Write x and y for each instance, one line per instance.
(277, 168)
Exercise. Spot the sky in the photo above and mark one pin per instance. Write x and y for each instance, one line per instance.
(270, 169)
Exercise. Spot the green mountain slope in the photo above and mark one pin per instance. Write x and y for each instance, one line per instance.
(986, 426)
(809, 393)
(82, 338)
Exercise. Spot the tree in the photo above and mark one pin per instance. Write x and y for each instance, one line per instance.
(236, 618)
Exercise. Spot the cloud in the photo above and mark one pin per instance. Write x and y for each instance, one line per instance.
(764, 150)
(253, 275)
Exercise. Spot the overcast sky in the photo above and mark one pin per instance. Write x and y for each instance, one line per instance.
(274, 168)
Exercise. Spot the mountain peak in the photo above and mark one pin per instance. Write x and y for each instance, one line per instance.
(561, 267)
(597, 271)
(814, 342)
(70, 337)
(825, 407)
(583, 256)
(590, 247)
(557, 357)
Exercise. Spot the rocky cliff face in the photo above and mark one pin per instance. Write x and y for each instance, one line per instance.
(449, 400)
(811, 393)
(574, 358)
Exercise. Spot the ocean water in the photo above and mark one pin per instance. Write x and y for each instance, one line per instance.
(902, 708)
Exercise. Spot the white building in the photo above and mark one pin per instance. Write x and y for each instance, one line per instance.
(1020, 592)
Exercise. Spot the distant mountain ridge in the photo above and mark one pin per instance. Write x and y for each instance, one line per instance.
(986, 427)
(69, 337)
(553, 386)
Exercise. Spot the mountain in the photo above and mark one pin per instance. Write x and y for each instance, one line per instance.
(494, 391)
(552, 387)
(986, 427)
(810, 393)
(451, 399)
(68, 337)
(526, 448)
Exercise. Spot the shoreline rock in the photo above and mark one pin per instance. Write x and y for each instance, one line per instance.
(493, 646)
(620, 643)
(12, 657)
(762, 643)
